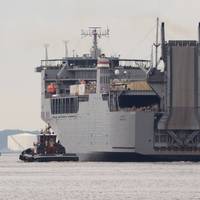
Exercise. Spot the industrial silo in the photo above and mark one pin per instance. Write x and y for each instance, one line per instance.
(19, 142)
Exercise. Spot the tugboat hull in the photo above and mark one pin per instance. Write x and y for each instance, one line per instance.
(47, 149)
(48, 158)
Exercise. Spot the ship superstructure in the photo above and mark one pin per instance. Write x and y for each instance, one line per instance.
(107, 107)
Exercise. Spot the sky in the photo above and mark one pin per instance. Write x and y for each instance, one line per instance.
(26, 25)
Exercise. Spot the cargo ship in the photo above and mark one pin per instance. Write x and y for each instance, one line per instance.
(114, 109)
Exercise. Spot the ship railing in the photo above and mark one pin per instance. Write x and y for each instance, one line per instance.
(60, 63)
(52, 62)
(138, 63)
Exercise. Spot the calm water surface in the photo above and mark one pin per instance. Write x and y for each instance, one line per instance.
(97, 180)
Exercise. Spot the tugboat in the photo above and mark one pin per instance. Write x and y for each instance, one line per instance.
(47, 149)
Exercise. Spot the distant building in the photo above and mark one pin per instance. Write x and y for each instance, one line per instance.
(19, 142)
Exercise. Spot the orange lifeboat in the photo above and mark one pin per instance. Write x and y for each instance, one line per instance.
(51, 88)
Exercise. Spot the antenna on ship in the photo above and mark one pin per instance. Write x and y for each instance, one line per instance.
(46, 53)
(156, 44)
(73, 52)
(95, 32)
(151, 57)
(66, 47)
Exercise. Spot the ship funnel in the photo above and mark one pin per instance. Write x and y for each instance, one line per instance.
(103, 75)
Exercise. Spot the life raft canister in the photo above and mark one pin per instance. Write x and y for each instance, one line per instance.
(51, 88)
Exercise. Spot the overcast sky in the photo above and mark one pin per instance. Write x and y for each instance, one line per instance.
(27, 24)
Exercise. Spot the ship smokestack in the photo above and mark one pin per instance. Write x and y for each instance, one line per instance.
(103, 75)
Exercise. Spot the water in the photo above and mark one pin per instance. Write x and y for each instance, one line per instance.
(97, 180)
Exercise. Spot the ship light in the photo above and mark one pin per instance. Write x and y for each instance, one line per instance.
(116, 72)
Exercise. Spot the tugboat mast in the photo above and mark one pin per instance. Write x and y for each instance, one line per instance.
(96, 33)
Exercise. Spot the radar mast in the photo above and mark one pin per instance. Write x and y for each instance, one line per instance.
(95, 32)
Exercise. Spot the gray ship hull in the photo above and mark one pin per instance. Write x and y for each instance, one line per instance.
(95, 129)
(136, 157)
(96, 134)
